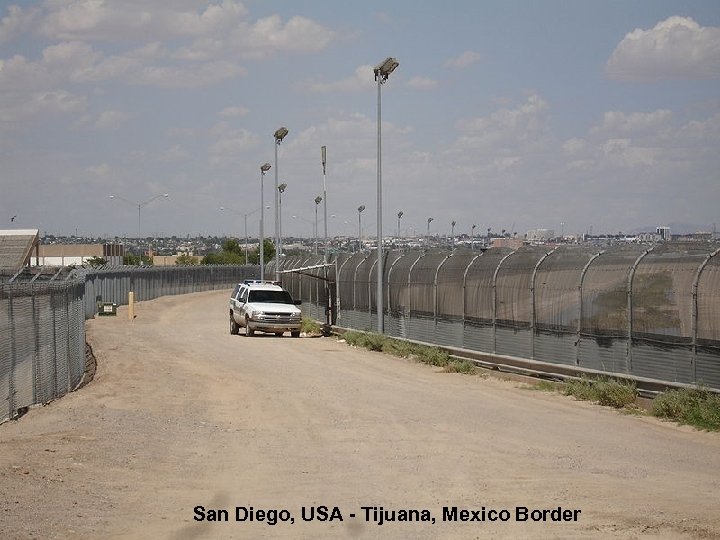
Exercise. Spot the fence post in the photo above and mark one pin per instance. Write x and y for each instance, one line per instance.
(370, 288)
(580, 305)
(435, 288)
(694, 311)
(532, 300)
(631, 277)
(13, 355)
(464, 292)
(494, 300)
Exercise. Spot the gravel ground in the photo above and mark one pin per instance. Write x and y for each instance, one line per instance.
(182, 415)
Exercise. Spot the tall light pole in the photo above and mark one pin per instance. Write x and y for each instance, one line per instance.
(245, 216)
(400, 215)
(382, 72)
(318, 200)
(323, 155)
(279, 135)
(361, 208)
(472, 237)
(139, 205)
(281, 189)
(427, 238)
(263, 169)
(562, 230)
(452, 236)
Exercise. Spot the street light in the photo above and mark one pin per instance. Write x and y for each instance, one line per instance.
(318, 200)
(263, 169)
(281, 189)
(400, 215)
(139, 205)
(279, 135)
(382, 72)
(472, 237)
(452, 236)
(245, 216)
(323, 156)
(427, 240)
(361, 208)
(312, 224)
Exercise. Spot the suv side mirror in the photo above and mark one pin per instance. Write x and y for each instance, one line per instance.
(297, 302)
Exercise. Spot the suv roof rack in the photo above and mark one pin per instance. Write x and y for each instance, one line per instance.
(260, 281)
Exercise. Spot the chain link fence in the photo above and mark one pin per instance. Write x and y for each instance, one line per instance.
(42, 324)
(648, 312)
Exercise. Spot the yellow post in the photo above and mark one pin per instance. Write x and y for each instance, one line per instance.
(131, 305)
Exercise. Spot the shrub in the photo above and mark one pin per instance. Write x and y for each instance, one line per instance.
(605, 391)
(547, 386)
(460, 366)
(581, 389)
(310, 326)
(697, 407)
(434, 356)
(616, 394)
(403, 349)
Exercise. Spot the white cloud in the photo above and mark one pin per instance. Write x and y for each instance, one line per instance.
(422, 83)
(526, 122)
(615, 122)
(98, 170)
(362, 79)
(111, 120)
(464, 60)
(229, 145)
(269, 35)
(185, 76)
(15, 22)
(676, 48)
(130, 19)
(15, 108)
(234, 112)
(172, 154)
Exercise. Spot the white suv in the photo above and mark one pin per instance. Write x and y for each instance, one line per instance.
(264, 306)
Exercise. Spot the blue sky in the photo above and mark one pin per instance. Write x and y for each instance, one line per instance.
(509, 115)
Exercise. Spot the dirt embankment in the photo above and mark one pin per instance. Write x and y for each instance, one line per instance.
(181, 414)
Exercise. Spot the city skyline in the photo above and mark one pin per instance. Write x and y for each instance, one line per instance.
(508, 115)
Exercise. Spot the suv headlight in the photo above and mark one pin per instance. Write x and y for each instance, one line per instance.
(296, 315)
(257, 314)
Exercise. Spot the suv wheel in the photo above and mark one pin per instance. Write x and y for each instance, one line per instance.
(234, 327)
(249, 332)
(295, 334)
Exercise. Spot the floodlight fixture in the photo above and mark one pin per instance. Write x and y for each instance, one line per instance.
(385, 68)
(280, 134)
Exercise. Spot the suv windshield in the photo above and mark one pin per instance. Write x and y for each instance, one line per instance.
(276, 297)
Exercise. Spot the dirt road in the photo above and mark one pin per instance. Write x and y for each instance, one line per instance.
(183, 415)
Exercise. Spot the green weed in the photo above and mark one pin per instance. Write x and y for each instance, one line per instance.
(696, 407)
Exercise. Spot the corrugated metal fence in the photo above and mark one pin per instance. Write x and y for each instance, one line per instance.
(651, 312)
(42, 324)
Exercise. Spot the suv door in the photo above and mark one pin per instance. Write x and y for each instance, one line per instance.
(241, 305)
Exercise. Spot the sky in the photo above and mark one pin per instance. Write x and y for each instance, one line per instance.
(584, 116)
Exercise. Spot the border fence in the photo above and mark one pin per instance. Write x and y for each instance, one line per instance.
(640, 311)
(42, 324)
(650, 312)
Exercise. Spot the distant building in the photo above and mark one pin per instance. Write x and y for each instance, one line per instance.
(78, 254)
(512, 243)
(664, 233)
(171, 260)
(647, 237)
(540, 235)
